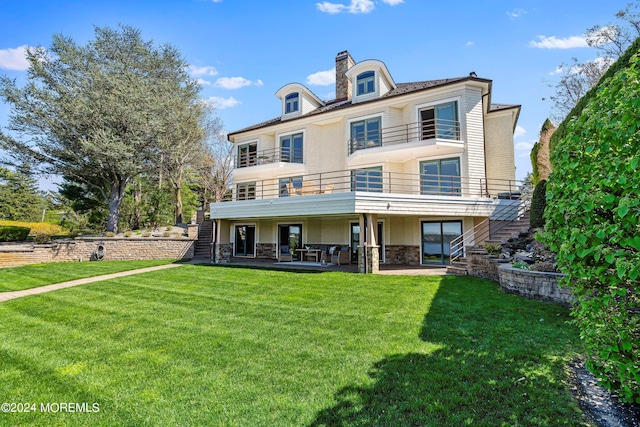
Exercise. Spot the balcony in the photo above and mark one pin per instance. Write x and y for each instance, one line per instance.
(375, 181)
(427, 130)
(266, 157)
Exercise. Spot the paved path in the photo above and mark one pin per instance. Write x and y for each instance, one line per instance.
(6, 296)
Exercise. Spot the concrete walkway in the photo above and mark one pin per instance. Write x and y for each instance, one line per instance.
(6, 296)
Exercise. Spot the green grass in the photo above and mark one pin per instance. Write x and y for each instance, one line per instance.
(212, 346)
(32, 276)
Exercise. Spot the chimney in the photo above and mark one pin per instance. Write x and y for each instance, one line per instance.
(344, 61)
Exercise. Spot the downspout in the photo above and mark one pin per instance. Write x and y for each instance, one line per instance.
(214, 241)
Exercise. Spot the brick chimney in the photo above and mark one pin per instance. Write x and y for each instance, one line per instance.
(344, 61)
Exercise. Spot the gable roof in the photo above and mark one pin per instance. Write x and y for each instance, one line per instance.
(400, 89)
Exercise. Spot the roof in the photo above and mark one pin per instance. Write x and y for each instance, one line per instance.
(401, 89)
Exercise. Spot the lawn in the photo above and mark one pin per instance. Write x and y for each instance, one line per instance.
(214, 346)
(31, 276)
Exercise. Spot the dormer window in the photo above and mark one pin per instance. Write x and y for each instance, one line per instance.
(291, 103)
(366, 83)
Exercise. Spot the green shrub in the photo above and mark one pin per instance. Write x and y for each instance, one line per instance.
(42, 238)
(109, 234)
(493, 248)
(538, 204)
(593, 225)
(12, 233)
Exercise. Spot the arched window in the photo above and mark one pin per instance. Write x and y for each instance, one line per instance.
(291, 103)
(365, 83)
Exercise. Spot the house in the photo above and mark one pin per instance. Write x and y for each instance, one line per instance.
(391, 172)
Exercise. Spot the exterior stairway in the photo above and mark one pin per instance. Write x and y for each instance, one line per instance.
(203, 244)
(506, 231)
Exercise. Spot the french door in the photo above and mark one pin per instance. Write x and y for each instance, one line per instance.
(290, 235)
(245, 240)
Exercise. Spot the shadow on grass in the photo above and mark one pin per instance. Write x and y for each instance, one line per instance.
(499, 360)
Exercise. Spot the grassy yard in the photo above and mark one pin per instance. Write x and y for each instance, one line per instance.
(31, 276)
(212, 346)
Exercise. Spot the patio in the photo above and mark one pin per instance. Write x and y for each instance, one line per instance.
(386, 269)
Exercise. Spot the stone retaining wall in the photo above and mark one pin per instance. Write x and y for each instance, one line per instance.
(537, 285)
(401, 254)
(480, 265)
(83, 248)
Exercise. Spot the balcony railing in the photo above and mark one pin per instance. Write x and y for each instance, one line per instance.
(371, 180)
(425, 130)
(264, 157)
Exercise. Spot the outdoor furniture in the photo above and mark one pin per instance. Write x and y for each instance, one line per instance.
(328, 189)
(341, 255)
(284, 254)
(308, 187)
(310, 254)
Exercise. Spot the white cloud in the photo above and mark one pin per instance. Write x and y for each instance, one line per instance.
(356, 6)
(14, 59)
(202, 71)
(203, 82)
(524, 145)
(235, 82)
(468, 44)
(222, 103)
(393, 2)
(322, 78)
(516, 13)
(553, 42)
(519, 131)
(559, 69)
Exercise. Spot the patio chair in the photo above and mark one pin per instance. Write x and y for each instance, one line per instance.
(284, 254)
(308, 187)
(341, 255)
(328, 189)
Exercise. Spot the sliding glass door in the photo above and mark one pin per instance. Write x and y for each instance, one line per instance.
(436, 239)
(290, 235)
(245, 240)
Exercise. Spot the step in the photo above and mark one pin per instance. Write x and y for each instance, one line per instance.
(457, 270)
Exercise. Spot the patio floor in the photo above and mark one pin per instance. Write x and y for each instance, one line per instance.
(413, 270)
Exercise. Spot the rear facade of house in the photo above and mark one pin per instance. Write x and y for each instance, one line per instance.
(391, 172)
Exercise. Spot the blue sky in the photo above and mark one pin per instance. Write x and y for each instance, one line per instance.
(243, 51)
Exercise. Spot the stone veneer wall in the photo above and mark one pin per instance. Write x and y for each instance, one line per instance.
(266, 250)
(82, 249)
(223, 253)
(372, 262)
(401, 254)
(537, 285)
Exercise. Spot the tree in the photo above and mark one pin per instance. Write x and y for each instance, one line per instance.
(611, 41)
(214, 170)
(96, 113)
(20, 199)
(184, 143)
(593, 223)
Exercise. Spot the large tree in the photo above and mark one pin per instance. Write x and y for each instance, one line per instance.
(96, 114)
(20, 199)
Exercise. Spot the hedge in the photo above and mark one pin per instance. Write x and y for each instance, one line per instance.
(10, 233)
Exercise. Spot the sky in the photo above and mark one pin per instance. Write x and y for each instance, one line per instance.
(243, 51)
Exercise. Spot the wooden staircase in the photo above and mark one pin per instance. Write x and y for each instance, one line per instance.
(203, 244)
(505, 230)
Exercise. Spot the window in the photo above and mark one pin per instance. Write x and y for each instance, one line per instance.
(440, 121)
(440, 177)
(369, 179)
(291, 148)
(288, 184)
(365, 83)
(365, 134)
(246, 191)
(291, 103)
(247, 155)
(436, 240)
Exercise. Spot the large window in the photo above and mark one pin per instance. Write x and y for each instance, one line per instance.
(365, 134)
(290, 184)
(291, 103)
(246, 191)
(369, 179)
(436, 240)
(440, 121)
(291, 148)
(440, 177)
(365, 83)
(247, 155)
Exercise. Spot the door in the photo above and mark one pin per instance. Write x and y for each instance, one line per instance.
(355, 240)
(436, 240)
(291, 235)
(245, 240)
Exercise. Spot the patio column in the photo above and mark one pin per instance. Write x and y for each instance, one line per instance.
(368, 251)
(223, 247)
